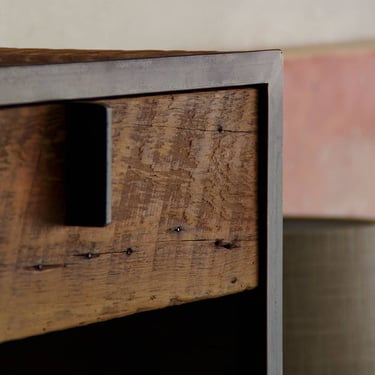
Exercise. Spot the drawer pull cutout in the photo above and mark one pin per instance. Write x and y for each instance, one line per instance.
(88, 164)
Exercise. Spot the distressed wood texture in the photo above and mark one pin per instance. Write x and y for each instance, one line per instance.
(184, 220)
(19, 56)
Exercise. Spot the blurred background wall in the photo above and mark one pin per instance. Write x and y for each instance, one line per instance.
(329, 298)
(176, 24)
(329, 282)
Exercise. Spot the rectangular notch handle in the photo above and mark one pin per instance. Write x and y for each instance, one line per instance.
(88, 160)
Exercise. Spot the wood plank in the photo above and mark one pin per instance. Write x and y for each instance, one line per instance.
(185, 210)
(30, 56)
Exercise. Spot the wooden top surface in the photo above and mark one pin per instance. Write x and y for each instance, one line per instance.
(17, 56)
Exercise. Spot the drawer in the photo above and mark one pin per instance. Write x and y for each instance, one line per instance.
(184, 210)
(195, 208)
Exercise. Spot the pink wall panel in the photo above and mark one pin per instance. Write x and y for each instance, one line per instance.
(329, 135)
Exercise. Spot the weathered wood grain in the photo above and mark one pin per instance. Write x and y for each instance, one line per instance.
(185, 209)
(28, 56)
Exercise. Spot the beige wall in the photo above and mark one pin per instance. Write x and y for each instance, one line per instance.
(175, 24)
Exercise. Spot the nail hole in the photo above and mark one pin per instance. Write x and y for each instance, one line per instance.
(229, 245)
(129, 251)
(220, 129)
(233, 280)
(226, 245)
(89, 255)
(218, 243)
(38, 267)
(178, 228)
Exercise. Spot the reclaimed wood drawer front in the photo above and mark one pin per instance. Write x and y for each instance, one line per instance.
(184, 211)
